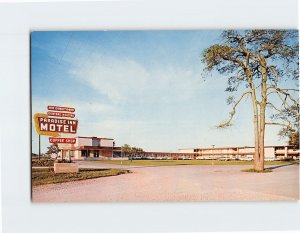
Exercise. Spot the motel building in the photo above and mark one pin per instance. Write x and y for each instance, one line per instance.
(95, 148)
(90, 148)
(242, 153)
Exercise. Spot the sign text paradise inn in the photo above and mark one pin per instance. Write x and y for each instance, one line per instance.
(57, 125)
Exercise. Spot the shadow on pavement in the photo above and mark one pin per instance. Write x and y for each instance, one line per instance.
(283, 165)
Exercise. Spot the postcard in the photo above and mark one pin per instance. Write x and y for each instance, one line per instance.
(164, 115)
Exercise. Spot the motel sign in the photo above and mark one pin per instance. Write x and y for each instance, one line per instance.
(59, 125)
(48, 124)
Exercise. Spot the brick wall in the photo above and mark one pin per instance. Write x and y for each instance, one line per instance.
(106, 153)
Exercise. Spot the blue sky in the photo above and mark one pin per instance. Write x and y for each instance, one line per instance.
(143, 88)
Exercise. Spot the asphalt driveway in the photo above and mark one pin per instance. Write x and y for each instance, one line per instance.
(177, 183)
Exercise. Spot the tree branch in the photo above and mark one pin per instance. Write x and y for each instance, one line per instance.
(282, 116)
(284, 92)
(289, 89)
(242, 46)
(287, 95)
(229, 58)
(232, 113)
(277, 123)
(272, 68)
(274, 107)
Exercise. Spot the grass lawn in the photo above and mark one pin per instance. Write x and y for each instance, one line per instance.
(256, 171)
(183, 162)
(42, 176)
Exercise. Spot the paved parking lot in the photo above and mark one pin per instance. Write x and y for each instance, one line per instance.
(177, 183)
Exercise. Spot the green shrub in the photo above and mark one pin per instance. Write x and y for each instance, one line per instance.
(43, 162)
(288, 159)
(63, 161)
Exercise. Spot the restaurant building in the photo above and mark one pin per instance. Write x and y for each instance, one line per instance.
(90, 147)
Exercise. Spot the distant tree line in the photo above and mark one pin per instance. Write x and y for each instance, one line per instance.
(131, 152)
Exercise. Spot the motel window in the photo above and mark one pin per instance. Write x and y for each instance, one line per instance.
(84, 153)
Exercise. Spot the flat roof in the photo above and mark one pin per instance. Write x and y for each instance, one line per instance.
(96, 148)
(94, 137)
(229, 147)
(162, 152)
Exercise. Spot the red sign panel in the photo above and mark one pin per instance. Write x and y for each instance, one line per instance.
(62, 140)
(59, 125)
(61, 114)
(62, 109)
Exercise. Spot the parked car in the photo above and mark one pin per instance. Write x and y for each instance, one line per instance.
(271, 158)
(246, 158)
(223, 159)
(233, 158)
(184, 158)
(208, 158)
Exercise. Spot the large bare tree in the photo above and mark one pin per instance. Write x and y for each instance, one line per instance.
(263, 63)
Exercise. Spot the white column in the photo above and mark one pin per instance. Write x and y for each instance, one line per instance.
(285, 152)
(68, 155)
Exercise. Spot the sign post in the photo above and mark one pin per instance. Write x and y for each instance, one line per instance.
(39, 147)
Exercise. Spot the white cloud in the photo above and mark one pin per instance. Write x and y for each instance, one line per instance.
(114, 78)
(122, 80)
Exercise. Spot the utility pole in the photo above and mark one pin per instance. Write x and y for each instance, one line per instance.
(121, 156)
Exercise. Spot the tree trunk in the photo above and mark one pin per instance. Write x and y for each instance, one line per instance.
(257, 137)
(259, 163)
(256, 129)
